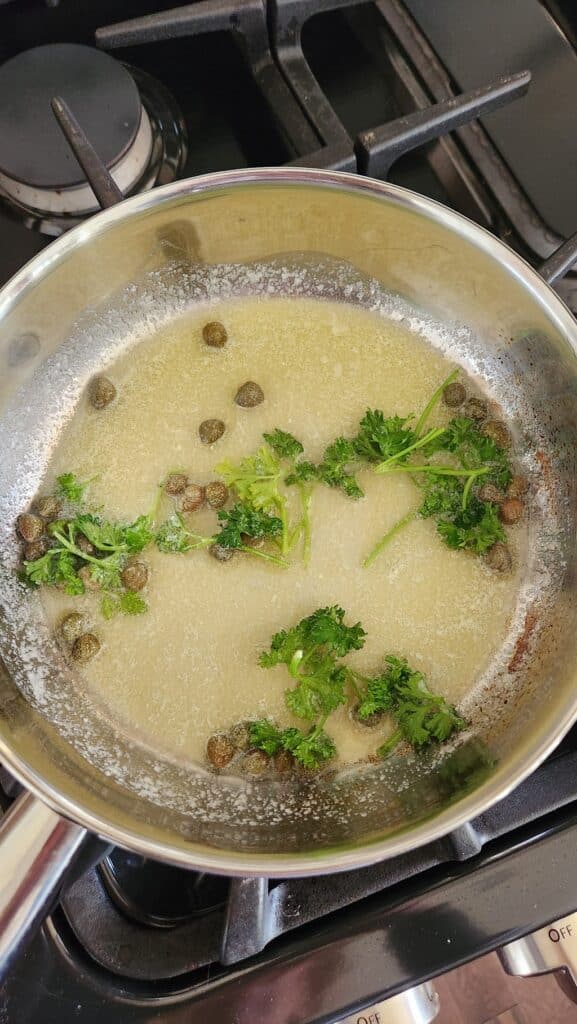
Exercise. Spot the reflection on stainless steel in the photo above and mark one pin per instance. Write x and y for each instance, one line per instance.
(552, 949)
(38, 847)
(419, 1005)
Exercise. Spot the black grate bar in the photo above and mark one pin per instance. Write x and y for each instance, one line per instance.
(247, 925)
(286, 19)
(299, 901)
(97, 174)
(247, 23)
(178, 22)
(561, 262)
(378, 149)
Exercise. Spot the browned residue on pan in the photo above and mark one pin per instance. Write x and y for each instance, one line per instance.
(522, 642)
(548, 476)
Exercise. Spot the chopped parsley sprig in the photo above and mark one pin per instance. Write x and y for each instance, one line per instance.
(112, 544)
(312, 652)
(421, 717)
(70, 488)
(463, 519)
(258, 481)
(310, 749)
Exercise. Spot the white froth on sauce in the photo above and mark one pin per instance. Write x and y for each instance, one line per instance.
(188, 667)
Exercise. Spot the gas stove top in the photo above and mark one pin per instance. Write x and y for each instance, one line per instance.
(233, 83)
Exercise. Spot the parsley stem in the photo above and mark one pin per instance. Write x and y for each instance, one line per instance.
(305, 496)
(286, 545)
(70, 546)
(389, 745)
(439, 470)
(431, 436)
(468, 485)
(433, 401)
(374, 554)
(282, 562)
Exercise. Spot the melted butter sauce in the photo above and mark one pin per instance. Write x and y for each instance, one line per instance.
(189, 667)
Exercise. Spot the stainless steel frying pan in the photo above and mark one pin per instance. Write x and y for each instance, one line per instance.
(107, 284)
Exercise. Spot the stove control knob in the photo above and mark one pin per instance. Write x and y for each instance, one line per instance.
(551, 949)
(418, 1005)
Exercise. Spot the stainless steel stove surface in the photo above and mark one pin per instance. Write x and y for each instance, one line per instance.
(233, 83)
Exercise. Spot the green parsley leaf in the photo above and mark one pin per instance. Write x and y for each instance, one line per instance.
(380, 437)
(477, 528)
(128, 602)
(311, 749)
(473, 450)
(320, 633)
(422, 717)
(57, 568)
(283, 444)
(377, 699)
(256, 480)
(132, 603)
(263, 735)
(310, 651)
(334, 470)
(174, 536)
(241, 520)
(318, 693)
(303, 473)
(71, 488)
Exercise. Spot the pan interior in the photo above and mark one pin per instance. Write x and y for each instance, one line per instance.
(228, 811)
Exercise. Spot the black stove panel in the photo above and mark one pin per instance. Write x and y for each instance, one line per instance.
(538, 136)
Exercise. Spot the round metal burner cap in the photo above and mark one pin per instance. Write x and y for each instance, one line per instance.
(98, 89)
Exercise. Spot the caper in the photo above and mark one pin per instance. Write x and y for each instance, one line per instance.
(29, 527)
(221, 553)
(101, 392)
(35, 549)
(475, 409)
(192, 498)
(48, 507)
(85, 647)
(518, 487)
(134, 575)
(498, 558)
(249, 394)
(511, 511)
(175, 483)
(211, 431)
(239, 736)
(283, 762)
(252, 542)
(256, 763)
(219, 750)
(85, 574)
(71, 627)
(216, 494)
(214, 334)
(497, 432)
(84, 544)
(454, 395)
(489, 492)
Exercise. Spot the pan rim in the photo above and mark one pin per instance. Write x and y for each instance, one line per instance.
(346, 856)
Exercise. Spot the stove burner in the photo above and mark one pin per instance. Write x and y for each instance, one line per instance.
(157, 894)
(98, 89)
(131, 121)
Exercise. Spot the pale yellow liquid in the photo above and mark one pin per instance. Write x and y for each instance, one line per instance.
(188, 667)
